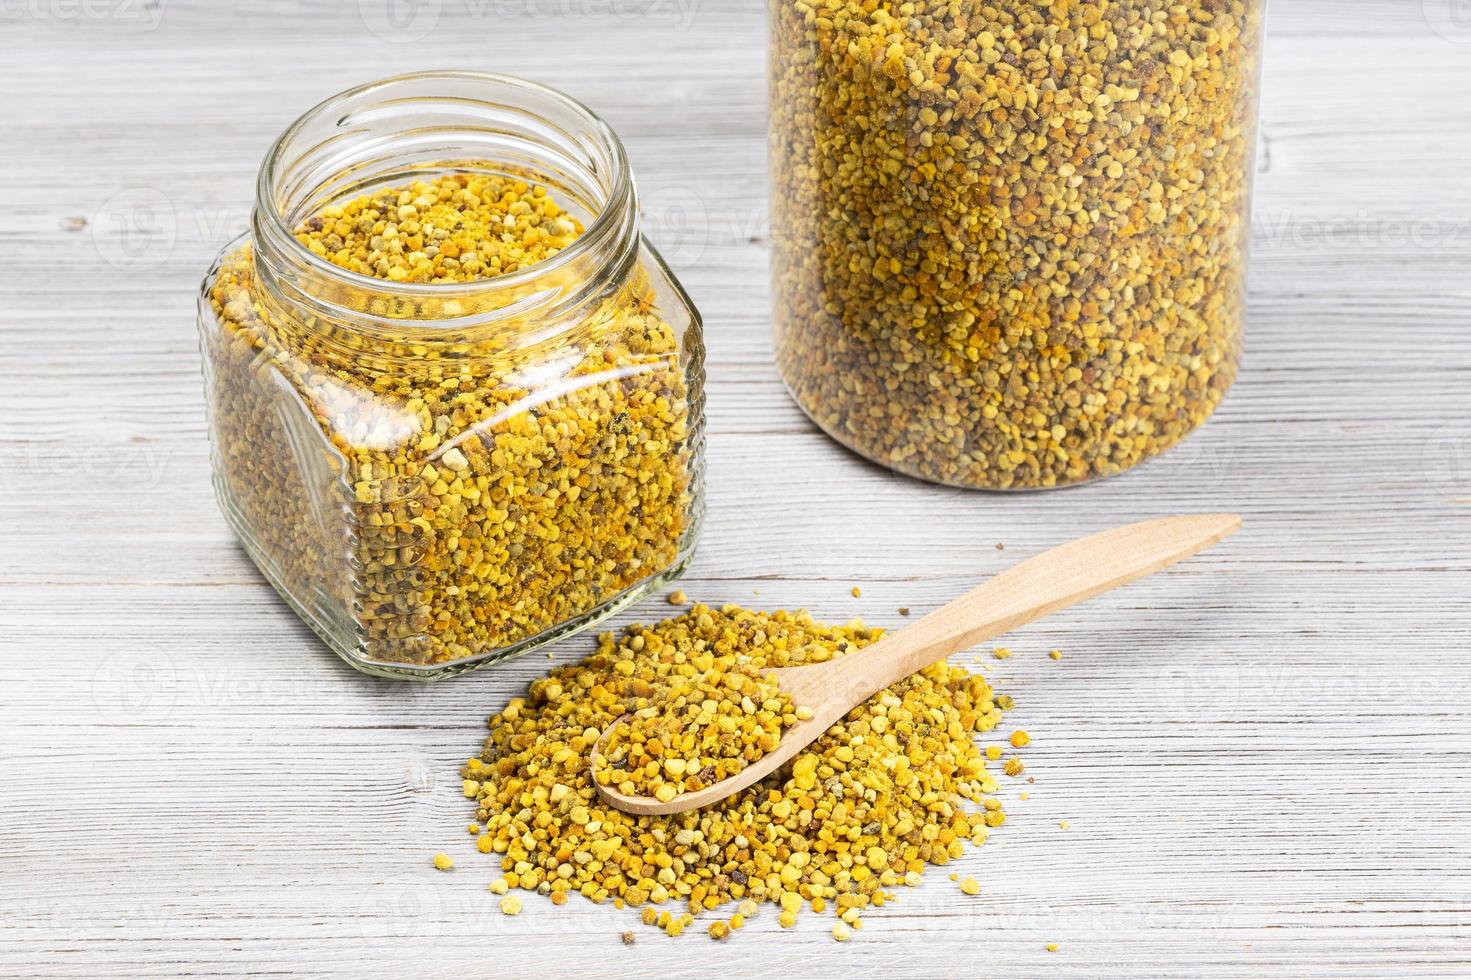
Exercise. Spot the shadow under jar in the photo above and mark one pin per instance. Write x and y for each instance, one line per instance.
(1010, 238)
(440, 474)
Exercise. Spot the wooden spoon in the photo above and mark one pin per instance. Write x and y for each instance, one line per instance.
(1038, 586)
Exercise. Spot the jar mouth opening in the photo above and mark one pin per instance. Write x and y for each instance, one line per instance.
(410, 121)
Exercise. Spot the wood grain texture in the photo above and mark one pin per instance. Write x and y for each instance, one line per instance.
(1264, 754)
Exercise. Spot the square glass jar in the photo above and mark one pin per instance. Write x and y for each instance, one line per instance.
(439, 475)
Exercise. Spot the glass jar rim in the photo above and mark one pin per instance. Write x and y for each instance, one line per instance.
(620, 195)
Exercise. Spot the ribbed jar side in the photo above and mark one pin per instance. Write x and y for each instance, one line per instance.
(278, 479)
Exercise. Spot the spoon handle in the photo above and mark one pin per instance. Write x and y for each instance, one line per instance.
(1038, 586)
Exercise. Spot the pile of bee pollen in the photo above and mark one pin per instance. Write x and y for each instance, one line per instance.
(899, 784)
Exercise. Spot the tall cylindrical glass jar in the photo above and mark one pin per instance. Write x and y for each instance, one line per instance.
(438, 468)
(1011, 237)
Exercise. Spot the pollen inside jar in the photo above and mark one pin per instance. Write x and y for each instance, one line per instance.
(1010, 237)
(452, 228)
(429, 492)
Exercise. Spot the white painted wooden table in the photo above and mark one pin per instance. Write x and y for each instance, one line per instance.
(1265, 755)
